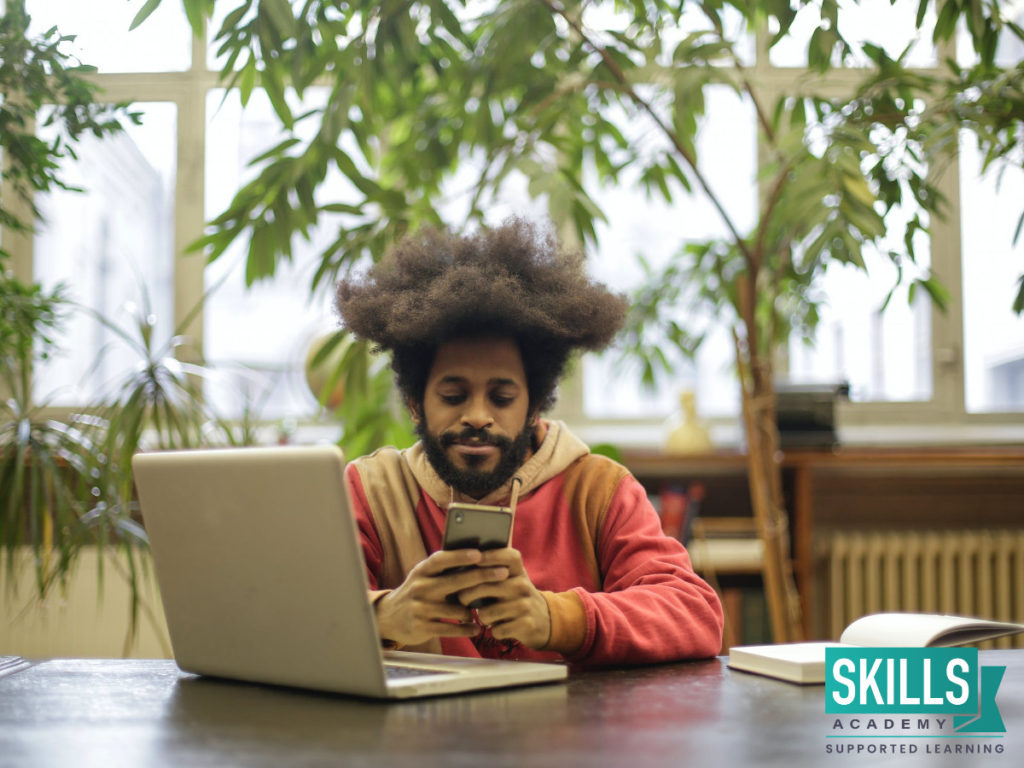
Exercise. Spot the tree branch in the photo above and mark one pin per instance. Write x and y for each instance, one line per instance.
(691, 161)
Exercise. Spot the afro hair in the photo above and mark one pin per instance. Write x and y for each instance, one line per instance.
(511, 282)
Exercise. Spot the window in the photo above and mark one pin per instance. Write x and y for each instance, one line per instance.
(113, 249)
(256, 339)
(993, 335)
(911, 364)
(103, 39)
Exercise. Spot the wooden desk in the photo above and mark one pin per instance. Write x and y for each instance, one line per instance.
(148, 713)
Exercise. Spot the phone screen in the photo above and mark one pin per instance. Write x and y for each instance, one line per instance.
(477, 526)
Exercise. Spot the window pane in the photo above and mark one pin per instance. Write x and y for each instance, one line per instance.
(883, 22)
(163, 43)
(885, 356)
(113, 246)
(990, 210)
(658, 230)
(257, 338)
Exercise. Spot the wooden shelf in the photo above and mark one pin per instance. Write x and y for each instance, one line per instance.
(850, 488)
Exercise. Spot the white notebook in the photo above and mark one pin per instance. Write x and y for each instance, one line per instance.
(805, 662)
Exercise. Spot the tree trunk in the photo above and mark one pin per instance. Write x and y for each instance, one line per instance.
(765, 477)
(754, 367)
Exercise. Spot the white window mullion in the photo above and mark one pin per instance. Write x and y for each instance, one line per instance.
(947, 326)
(189, 199)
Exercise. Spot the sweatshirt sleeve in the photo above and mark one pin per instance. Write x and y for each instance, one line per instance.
(654, 607)
(373, 551)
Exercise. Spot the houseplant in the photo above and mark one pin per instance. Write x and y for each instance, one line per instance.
(50, 468)
(65, 475)
(553, 90)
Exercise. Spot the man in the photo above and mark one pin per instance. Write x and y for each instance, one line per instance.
(480, 330)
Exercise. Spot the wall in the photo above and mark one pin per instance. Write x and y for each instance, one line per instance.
(88, 620)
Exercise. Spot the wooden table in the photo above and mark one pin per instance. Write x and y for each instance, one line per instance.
(148, 713)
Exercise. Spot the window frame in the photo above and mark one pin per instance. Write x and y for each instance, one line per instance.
(944, 418)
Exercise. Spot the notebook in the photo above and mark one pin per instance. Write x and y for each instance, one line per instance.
(262, 578)
(805, 662)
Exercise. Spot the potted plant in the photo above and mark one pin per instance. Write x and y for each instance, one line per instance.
(65, 477)
(51, 469)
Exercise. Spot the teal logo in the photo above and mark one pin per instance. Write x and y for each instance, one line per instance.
(915, 681)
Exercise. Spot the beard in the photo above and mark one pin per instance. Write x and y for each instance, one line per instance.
(472, 482)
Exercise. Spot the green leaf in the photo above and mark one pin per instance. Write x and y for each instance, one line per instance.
(945, 23)
(247, 81)
(260, 263)
(937, 291)
(274, 89)
(144, 13)
(196, 12)
(922, 10)
(280, 15)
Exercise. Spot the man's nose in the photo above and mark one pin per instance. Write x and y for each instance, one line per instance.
(476, 413)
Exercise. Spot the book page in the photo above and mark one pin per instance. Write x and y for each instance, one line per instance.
(920, 630)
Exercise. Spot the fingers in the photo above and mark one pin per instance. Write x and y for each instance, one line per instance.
(525, 619)
(409, 620)
(508, 557)
(500, 585)
(443, 560)
(418, 609)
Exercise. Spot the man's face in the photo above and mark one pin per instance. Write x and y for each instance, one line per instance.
(474, 419)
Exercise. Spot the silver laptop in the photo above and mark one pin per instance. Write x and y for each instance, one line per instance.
(262, 578)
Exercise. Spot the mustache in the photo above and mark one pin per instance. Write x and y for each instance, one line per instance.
(468, 434)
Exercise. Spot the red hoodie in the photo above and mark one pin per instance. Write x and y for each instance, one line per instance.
(628, 597)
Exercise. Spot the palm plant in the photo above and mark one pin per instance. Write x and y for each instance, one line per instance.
(46, 465)
(65, 479)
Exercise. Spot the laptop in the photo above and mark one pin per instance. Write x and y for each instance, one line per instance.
(262, 578)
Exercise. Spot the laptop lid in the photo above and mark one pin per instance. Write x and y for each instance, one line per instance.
(262, 577)
(260, 571)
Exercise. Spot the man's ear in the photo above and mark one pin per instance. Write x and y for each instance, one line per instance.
(533, 418)
(415, 411)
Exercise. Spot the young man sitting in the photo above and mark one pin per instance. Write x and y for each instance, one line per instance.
(480, 330)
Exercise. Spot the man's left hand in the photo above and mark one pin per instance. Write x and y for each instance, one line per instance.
(521, 612)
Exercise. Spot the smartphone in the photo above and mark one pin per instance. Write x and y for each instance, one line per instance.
(476, 526)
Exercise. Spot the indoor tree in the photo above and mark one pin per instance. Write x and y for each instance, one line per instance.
(424, 96)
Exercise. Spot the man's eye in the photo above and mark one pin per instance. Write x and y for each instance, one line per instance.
(502, 400)
(452, 399)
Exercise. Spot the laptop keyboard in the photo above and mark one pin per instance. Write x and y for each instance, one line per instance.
(399, 672)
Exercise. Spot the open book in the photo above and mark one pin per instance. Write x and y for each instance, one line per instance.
(805, 662)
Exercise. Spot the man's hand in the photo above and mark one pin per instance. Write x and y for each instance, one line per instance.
(521, 612)
(417, 611)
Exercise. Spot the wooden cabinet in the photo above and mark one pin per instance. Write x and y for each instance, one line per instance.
(856, 489)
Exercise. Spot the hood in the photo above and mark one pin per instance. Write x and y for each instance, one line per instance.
(558, 449)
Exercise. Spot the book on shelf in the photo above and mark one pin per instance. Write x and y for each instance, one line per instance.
(805, 662)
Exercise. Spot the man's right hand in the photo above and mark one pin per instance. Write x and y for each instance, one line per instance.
(417, 610)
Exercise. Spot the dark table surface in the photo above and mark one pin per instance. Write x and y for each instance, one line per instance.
(82, 712)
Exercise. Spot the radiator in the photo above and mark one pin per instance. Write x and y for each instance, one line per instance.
(968, 573)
